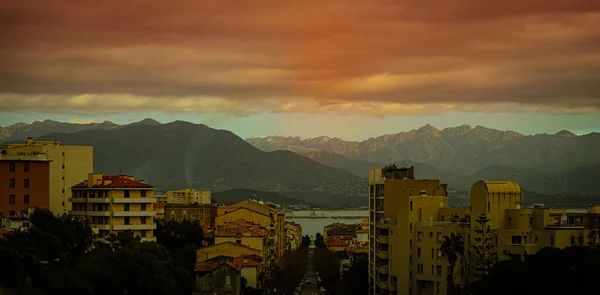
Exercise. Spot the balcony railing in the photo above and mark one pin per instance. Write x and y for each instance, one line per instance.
(90, 213)
(134, 200)
(89, 200)
(383, 240)
(134, 213)
(101, 226)
(383, 269)
(134, 227)
(383, 254)
(444, 224)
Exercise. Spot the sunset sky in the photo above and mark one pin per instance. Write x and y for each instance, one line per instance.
(348, 68)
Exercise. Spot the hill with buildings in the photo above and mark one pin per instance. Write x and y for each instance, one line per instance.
(182, 154)
(238, 195)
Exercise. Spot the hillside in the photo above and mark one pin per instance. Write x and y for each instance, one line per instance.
(182, 154)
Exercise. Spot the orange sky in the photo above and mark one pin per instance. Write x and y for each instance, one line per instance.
(373, 58)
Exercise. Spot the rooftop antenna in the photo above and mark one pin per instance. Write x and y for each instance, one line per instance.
(513, 177)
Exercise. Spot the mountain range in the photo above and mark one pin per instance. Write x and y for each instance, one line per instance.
(561, 162)
(326, 169)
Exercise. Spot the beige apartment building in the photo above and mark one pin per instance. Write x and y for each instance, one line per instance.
(68, 166)
(188, 196)
(409, 222)
(115, 203)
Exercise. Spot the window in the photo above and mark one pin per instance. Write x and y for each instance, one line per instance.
(411, 206)
(439, 253)
(143, 207)
(143, 234)
(509, 220)
(238, 241)
(126, 220)
(420, 268)
(420, 236)
(418, 252)
(11, 167)
(11, 183)
(488, 207)
(432, 253)
(12, 199)
(143, 194)
(228, 281)
(143, 220)
(438, 270)
(516, 240)
(26, 183)
(572, 240)
(126, 207)
(63, 166)
(25, 167)
(410, 226)
(439, 237)
(126, 194)
(26, 199)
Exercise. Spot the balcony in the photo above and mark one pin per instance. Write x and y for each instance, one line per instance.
(90, 213)
(383, 285)
(383, 269)
(134, 200)
(101, 226)
(134, 227)
(383, 240)
(383, 225)
(133, 213)
(383, 254)
(89, 200)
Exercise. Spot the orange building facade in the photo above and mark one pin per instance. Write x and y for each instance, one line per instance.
(24, 183)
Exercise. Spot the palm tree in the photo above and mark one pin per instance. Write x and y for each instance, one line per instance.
(452, 248)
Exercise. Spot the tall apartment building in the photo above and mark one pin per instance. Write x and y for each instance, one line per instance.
(188, 196)
(114, 204)
(410, 221)
(69, 165)
(24, 183)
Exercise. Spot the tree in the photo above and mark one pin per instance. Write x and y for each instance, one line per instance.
(484, 254)
(453, 248)
(356, 279)
(319, 240)
(305, 241)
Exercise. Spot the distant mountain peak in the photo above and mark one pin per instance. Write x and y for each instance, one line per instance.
(147, 121)
(565, 133)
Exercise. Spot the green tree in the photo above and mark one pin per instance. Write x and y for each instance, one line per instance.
(484, 254)
(452, 248)
(319, 240)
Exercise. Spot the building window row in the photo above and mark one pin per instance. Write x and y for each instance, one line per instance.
(12, 199)
(12, 167)
(12, 183)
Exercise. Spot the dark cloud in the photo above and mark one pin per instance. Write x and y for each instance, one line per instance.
(333, 55)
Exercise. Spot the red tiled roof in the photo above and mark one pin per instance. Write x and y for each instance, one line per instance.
(230, 243)
(358, 231)
(229, 203)
(212, 264)
(336, 244)
(240, 261)
(116, 181)
(241, 226)
(244, 208)
(159, 205)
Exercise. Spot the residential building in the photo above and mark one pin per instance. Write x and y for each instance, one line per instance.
(247, 233)
(205, 214)
(294, 236)
(409, 221)
(160, 211)
(277, 228)
(115, 203)
(68, 166)
(251, 269)
(161, 197)
(229, 249)
(188, 196)
(246, 214)
(25, 183)
(216, 276)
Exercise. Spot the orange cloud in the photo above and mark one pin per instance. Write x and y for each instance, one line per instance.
(365, 57)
